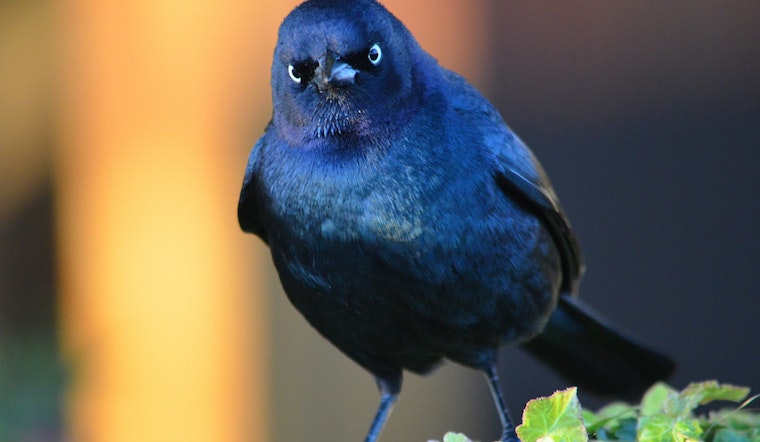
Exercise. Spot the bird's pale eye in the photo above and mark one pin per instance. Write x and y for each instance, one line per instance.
(375, 54)
(294, 74)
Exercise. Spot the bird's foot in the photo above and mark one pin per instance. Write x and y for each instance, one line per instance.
(509, 436)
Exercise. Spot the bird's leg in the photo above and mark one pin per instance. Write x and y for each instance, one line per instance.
(508, 435)
(389, 390)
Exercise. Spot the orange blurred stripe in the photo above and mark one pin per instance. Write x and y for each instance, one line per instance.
(157, 320)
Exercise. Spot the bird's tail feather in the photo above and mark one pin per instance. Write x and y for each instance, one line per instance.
(580, 345)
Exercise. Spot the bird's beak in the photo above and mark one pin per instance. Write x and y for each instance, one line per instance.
(333, 72)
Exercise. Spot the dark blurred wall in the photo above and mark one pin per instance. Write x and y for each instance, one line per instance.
(647, 117)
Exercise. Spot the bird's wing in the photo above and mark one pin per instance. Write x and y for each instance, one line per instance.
(519, 175)
(531, 185)
(248, 205)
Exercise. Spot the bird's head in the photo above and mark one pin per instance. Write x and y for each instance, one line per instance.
(343, 68)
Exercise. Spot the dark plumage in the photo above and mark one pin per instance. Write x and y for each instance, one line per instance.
(408, 224)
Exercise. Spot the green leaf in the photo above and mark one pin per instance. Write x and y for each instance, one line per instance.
(616, 410)
(606, 422)
(664, 428)
(589, 417)
(708, 391)
(739, 422)
(455, 437)
(737, 419)
(655, 398)
(729, 435)
(556, 418)
(626, 430)
(695, 394)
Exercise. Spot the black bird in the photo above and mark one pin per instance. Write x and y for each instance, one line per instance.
(408, 223)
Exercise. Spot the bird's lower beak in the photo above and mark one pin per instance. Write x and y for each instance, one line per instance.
(333, 72)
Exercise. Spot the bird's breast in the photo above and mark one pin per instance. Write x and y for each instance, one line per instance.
(360, 203)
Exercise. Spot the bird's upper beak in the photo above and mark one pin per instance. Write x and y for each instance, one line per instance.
(333, 72)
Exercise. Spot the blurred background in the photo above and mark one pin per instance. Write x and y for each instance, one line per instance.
(133, 308)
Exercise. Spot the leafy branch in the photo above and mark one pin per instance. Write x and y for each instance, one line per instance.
(664, 415)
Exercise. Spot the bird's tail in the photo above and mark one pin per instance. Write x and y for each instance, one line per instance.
(579, 344)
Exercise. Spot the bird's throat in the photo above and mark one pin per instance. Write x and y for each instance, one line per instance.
(335, 117)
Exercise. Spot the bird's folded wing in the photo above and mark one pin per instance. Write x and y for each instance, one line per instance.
(519, 174)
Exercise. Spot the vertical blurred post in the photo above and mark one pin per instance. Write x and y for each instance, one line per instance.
(159, 329)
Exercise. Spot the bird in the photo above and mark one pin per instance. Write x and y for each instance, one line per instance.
(409, 224)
